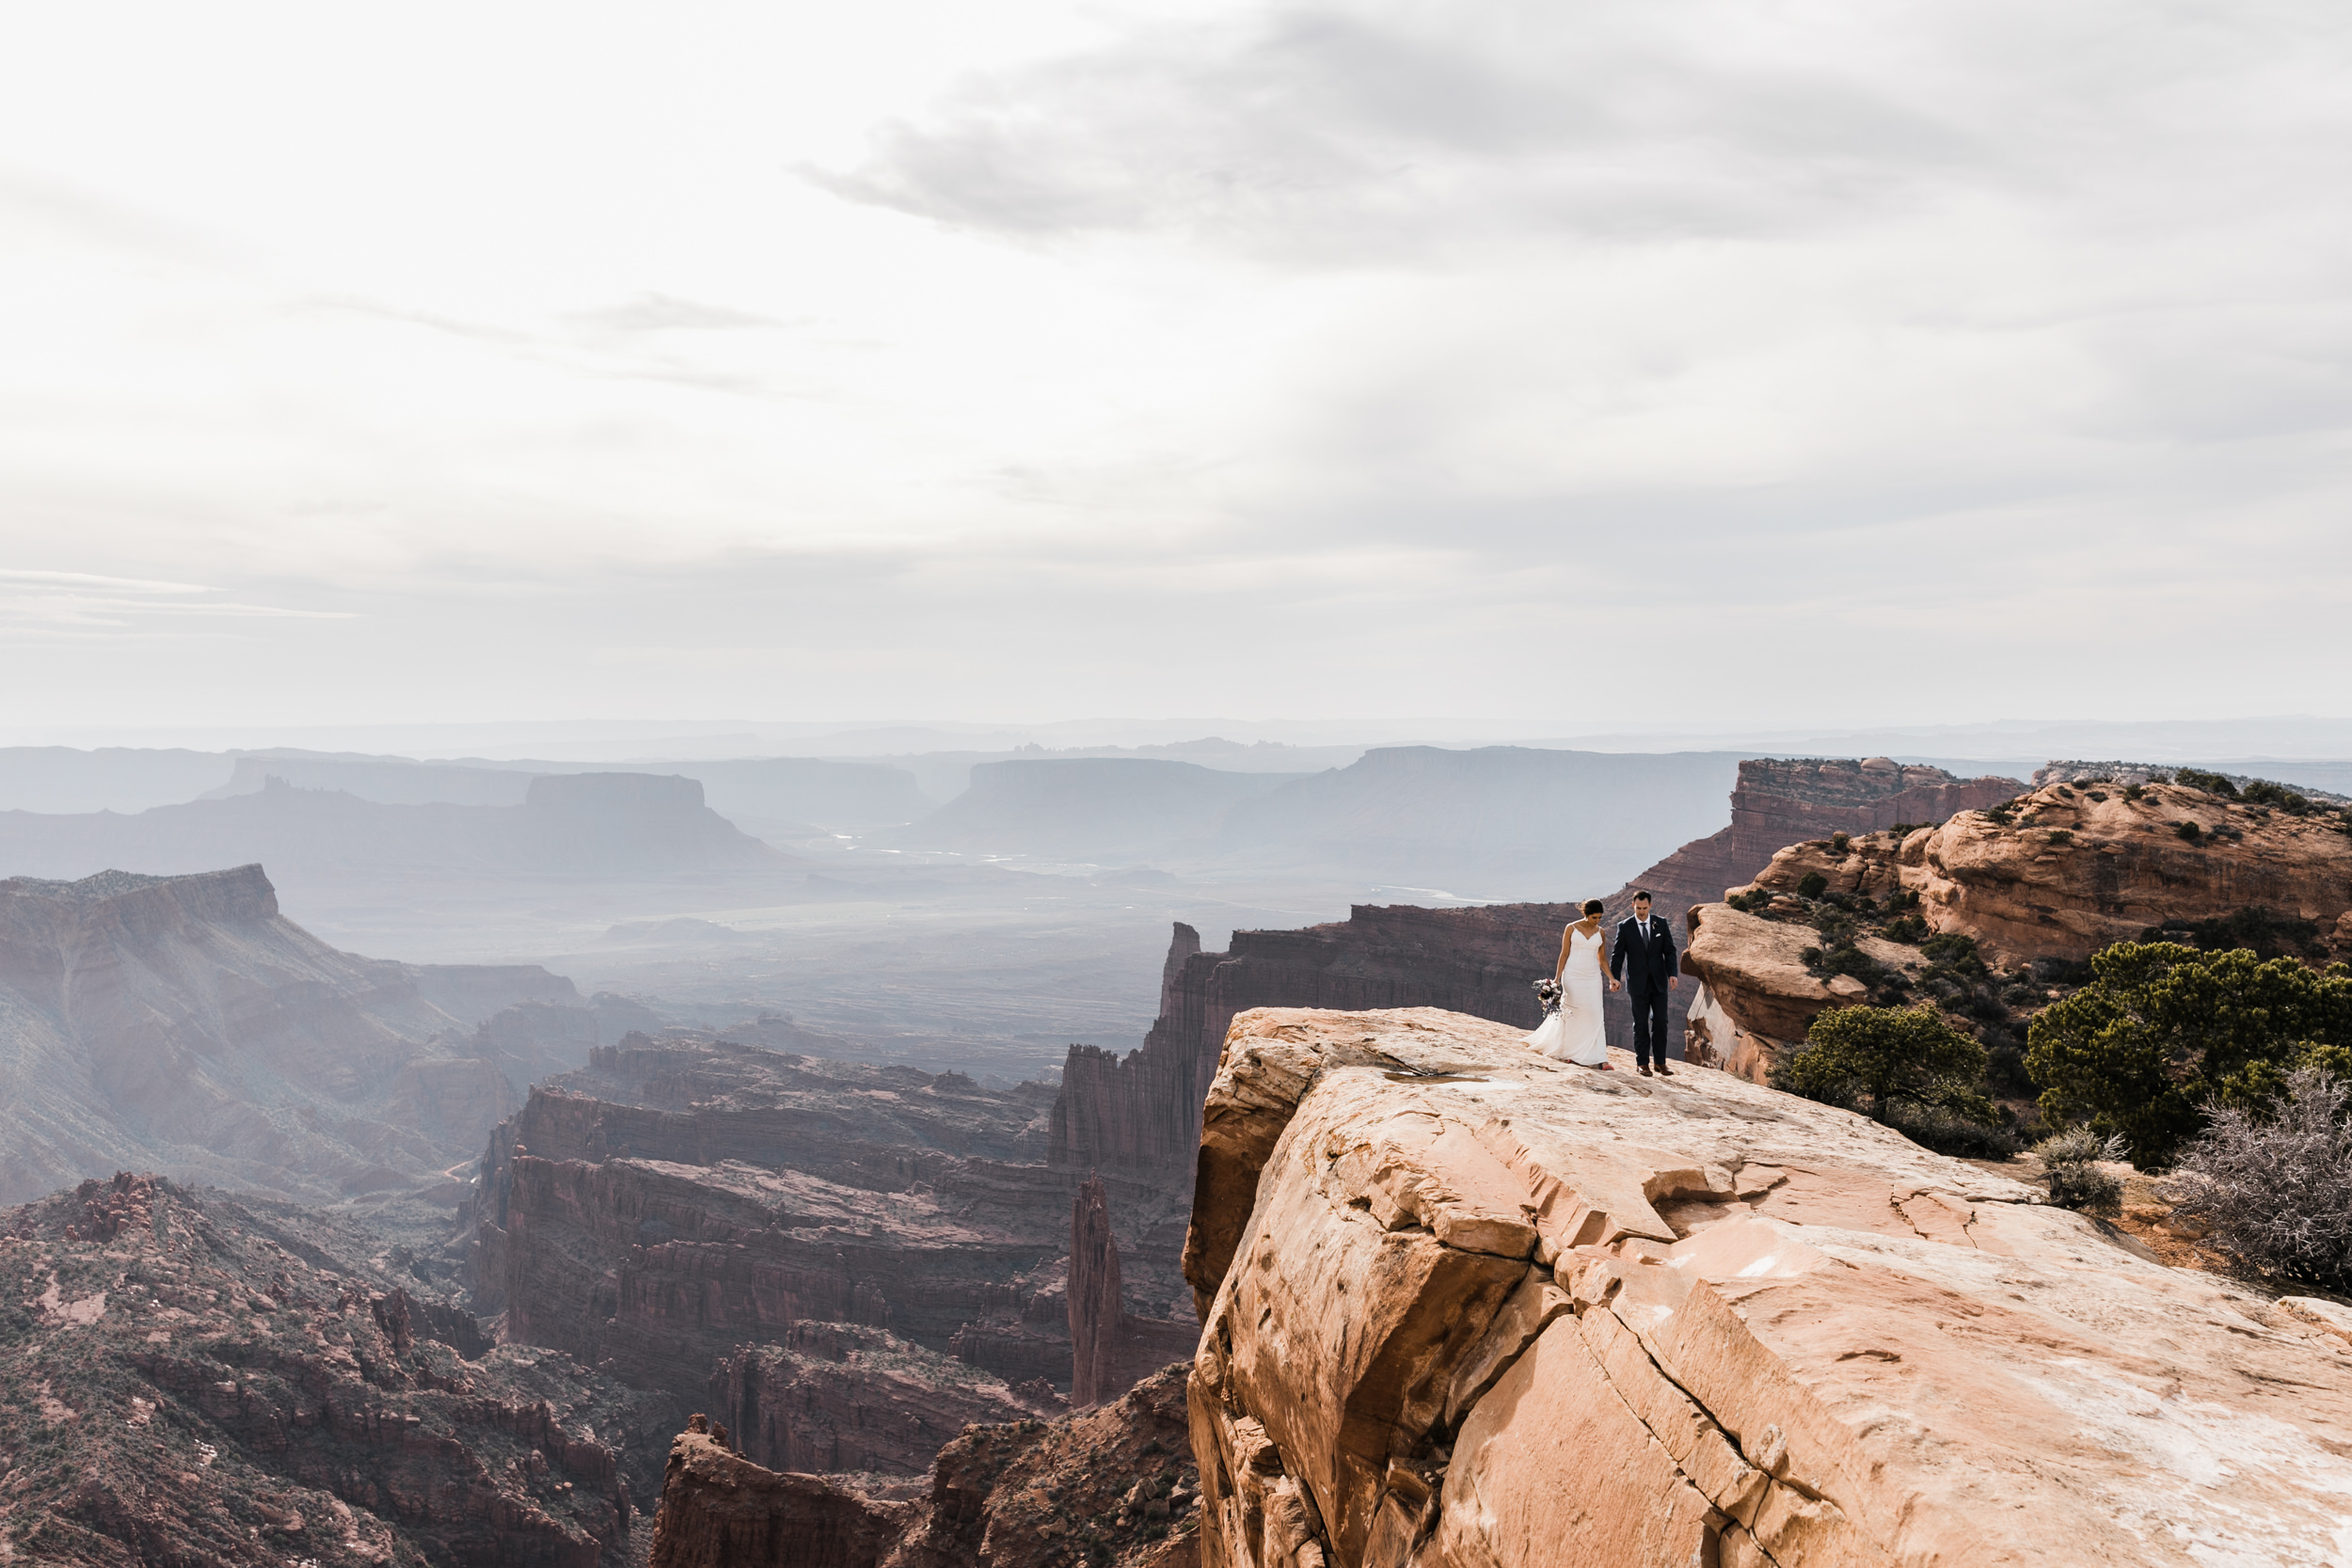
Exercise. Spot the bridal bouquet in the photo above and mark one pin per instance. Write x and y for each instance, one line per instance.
(1548, 995)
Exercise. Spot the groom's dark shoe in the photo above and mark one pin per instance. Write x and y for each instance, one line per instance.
(1663, 1070)
(1644, 1066)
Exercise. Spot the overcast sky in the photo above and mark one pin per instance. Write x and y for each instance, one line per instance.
(1593, 365)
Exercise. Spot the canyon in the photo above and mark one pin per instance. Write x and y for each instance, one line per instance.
(851, 1261)
(1464, 1307)
(862, 1273)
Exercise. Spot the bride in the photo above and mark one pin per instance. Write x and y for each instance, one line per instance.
(1576, 1032)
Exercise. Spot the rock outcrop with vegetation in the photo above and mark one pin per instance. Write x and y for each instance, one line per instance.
(1465, 1305)
(1991, 913)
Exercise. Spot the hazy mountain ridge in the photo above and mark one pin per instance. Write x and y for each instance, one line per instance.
(599, 824)
(183, 1024)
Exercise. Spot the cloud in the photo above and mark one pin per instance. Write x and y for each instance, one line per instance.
(39, 607)
(661, 313)
(1369, 134)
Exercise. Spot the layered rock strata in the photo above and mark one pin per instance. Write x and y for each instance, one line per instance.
(846, 1396)
(685, 1201)
(2065, 870)
(1110, 1487)
(190, 1380)
(1464, 1305)
(184, 1023)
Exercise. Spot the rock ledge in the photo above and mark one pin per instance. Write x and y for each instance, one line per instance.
(1465, 1307)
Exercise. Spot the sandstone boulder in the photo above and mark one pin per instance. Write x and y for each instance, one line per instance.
(1465, 1305)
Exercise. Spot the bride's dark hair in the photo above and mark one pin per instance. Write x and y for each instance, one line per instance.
(1592, 906)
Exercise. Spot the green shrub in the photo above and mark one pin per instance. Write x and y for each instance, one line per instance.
(2188, 830)
(2255, 927)
(2133, 792)
(1906, 927)
(1840, 844)
(2074, 1180)
(2163, 1033)
(1886, 1056)
(2212, 784)
(1812, 885)
(2267, 793)
(1955, 951)
(2005, 1071)
(2060, 838)
(1948, 1132)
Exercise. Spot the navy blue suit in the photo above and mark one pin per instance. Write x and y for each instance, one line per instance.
(1644, 957)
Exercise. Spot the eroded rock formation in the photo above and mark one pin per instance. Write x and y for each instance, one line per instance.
(719, 1510)
(1467, 1307)
(2071, 868)
(2066, 870)
(1110, 1487)
(1111, 1348)
(839, 1397)
(192, 1380)
(183, 1024)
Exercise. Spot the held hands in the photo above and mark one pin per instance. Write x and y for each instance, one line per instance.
(1616, 985)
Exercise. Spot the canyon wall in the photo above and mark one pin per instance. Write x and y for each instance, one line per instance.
(184, 1023)
(1465, 1307)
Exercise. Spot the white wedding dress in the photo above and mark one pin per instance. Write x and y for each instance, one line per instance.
(1577, 1033)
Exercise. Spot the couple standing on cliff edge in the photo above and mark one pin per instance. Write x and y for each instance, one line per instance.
(1641, 959)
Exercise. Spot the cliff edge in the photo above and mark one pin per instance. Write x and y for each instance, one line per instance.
(1464, 1305)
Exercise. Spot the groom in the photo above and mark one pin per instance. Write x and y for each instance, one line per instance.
(1644, 955)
